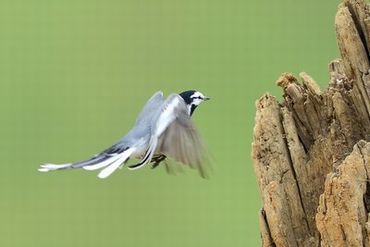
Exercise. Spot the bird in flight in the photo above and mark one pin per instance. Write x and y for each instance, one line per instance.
(162, 129)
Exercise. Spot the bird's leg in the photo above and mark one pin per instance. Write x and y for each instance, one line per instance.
(157, 160)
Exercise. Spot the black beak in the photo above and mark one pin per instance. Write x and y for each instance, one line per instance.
(206, 98)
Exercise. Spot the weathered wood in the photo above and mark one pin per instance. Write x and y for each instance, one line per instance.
(342, 215)
(311, 152)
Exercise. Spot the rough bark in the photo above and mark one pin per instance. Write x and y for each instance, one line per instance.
(311, 152)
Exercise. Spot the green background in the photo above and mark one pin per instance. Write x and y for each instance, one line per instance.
(74, 75)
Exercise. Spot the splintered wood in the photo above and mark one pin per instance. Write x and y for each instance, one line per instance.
(311, 152)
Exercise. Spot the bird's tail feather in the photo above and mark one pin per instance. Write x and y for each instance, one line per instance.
(53, 167)
(109, 163)
(101, 164)
(98, 159)
(106, 172)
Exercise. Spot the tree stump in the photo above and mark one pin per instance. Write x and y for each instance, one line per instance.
(311, 153)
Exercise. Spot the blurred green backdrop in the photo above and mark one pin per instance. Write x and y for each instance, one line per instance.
(74, 75)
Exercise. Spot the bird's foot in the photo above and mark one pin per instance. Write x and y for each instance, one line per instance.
(157, 160)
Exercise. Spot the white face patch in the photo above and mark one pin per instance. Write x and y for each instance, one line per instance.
(197, 95)
(197, 98)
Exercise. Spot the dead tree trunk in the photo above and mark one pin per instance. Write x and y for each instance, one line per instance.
(311, 152)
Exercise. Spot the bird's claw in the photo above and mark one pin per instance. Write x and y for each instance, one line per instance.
(157, 160)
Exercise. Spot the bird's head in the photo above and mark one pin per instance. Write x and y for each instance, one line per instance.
(192, 99)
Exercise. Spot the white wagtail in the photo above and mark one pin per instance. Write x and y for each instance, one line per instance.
(163, 128)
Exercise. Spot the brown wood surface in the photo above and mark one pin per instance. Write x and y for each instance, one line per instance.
(311, 152)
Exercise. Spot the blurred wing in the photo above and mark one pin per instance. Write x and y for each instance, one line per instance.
(182, 142)
(153, 104)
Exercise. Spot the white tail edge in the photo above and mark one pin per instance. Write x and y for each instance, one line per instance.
(106, 172)
(52, 167)
(101, 164)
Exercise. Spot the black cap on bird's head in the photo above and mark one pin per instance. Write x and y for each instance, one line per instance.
(193, 98)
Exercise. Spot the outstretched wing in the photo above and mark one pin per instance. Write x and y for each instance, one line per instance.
(151, 106)
(174, 135)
